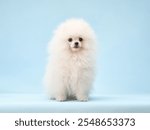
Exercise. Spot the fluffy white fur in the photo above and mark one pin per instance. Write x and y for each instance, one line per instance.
(70, 69)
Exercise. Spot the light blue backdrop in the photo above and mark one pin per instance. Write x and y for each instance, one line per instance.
(122, 28)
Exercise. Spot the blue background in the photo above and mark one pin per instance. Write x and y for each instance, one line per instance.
(123, 32)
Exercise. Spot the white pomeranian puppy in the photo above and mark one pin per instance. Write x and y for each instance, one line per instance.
(70, 70)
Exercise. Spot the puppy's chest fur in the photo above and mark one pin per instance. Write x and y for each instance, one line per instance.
(76, 64)
(75, 69)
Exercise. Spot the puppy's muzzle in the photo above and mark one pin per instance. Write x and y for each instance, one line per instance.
(76, 45)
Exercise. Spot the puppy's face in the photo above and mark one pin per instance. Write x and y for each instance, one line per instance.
(75, 42)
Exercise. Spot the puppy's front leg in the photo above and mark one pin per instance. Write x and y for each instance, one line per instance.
(82, 92)
(61, 94)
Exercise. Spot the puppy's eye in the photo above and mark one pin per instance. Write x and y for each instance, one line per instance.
(80, 39)
(70, 39)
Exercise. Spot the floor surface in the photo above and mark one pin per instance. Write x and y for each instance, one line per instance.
(107, 104)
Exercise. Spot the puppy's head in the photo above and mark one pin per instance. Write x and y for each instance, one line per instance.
(75, 35)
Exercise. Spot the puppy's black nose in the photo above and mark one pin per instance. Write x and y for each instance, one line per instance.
(76, 43)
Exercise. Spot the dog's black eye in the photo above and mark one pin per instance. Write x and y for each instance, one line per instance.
(80, 39)
(70, 39)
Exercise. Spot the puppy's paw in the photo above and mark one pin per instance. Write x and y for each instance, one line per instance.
(61, 98)
(82, 98)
